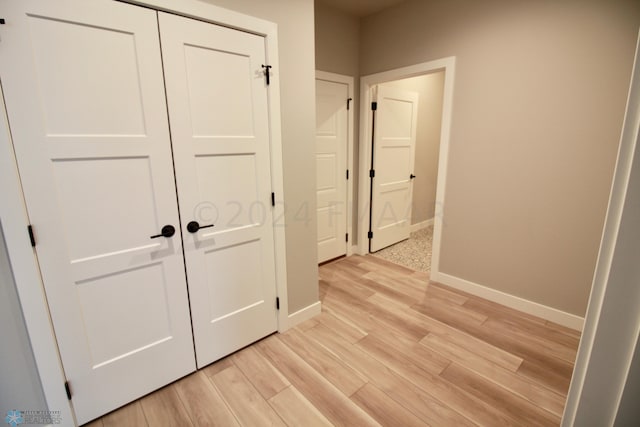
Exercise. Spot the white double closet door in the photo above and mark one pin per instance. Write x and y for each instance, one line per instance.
(84, 84)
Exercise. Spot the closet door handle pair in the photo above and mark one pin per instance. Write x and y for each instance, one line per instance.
(169, 230)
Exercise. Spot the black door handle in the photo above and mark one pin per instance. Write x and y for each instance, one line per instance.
(193, 226)
(167, 231)
(412, 176)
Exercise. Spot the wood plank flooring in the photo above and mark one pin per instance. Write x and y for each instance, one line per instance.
(390, 348)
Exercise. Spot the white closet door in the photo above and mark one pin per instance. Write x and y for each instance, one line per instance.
(394, 146)
(85, 99)
(331, 167)
(217, 97)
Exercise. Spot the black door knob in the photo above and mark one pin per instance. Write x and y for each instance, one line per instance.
(412, 176)
(193, 226)
(167, 231)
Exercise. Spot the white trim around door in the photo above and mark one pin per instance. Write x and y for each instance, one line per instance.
(349, 81)
(366, 84)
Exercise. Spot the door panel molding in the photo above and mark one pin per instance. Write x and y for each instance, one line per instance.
(115, 307)
(393, 162)
(221, 155)
(350, 160)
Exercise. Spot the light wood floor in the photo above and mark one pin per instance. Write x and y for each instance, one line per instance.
(389, 348)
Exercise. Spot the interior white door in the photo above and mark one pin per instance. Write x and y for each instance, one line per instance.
(394, 144)
(85, 98)
(218, 111)
(331, 167)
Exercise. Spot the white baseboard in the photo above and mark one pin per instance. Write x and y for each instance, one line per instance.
(548, 313)
(420, 225)
(302, 315)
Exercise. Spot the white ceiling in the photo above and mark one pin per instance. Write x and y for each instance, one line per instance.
(360, 7)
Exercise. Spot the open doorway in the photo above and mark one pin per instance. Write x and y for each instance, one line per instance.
(413, 247)
(433, 83)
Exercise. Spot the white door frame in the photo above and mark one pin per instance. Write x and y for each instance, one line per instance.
(366, 83)
(349, 81)
(15, 219)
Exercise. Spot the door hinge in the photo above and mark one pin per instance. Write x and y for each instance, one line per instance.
(349, 102)
(372, 173)
(266, 72)
(67, 388)
(32, 238)
(370, 234)
(273, 199)
(347, 173)
(346, 237)
(277, 303)
(374, 106)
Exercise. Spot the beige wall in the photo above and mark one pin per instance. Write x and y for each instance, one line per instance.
(297, 83)
(337, 44)
(430, 88)
(539, 97)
